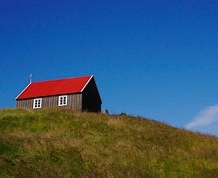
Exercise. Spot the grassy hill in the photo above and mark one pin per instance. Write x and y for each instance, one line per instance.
(62, 143)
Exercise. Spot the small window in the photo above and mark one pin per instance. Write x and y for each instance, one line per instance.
(37, 103)
(62, 100)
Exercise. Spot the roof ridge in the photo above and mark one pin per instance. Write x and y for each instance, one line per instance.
(62, 79)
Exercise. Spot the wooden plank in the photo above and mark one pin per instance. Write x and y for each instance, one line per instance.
(74, 102)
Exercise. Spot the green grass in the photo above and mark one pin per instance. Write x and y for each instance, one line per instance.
(63, 143)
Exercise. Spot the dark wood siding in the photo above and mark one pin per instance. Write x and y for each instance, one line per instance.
(91, 98)
(27, 103)
(74, 102)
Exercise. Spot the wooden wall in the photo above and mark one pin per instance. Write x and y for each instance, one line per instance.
(74, 102)
(91, 98)
(27, 104)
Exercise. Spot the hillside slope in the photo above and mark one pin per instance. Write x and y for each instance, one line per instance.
(62, 143)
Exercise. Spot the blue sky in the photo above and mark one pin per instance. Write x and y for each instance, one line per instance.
(154, 58)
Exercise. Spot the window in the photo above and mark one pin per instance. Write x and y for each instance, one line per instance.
(62, 101)
(37, 103)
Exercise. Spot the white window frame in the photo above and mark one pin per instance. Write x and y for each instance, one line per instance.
(37, 103)
(62, 100)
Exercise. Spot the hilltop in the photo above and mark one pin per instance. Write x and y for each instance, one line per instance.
(63, 143)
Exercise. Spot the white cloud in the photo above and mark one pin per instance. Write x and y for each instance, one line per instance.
(205, 119)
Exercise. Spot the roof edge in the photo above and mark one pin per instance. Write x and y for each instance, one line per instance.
(87, 83)
(58, 79)
(50, 95)
(23, 90)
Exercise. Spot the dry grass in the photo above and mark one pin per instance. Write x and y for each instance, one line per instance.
(62, 143)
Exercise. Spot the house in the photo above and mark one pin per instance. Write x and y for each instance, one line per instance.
(79, 93)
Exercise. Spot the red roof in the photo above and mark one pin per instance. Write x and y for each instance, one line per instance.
(54, 87)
